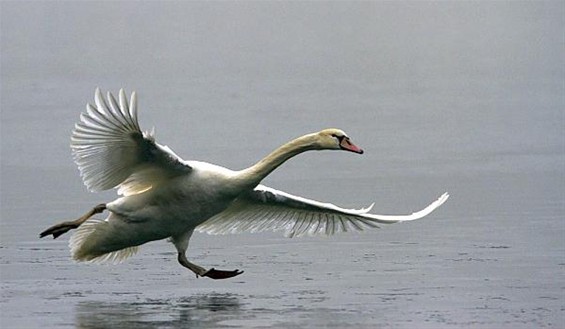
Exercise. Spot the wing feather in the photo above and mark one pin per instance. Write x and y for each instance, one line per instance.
(267, 209)
(111, 151)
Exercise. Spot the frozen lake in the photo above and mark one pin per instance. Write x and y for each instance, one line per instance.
(467, 98)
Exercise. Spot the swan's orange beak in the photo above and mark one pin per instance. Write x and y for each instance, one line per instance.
(346, 144)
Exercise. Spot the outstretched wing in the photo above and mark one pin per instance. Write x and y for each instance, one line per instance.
(110, 149)
(267, 209)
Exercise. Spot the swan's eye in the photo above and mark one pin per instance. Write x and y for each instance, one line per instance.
(339, 138)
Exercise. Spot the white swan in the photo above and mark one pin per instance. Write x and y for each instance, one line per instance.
(164, 196)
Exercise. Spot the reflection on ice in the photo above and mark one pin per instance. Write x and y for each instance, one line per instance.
(199, 311)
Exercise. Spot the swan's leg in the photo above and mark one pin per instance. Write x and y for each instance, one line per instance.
(211, 273)
(181, 243)
(64, 227)
(198, 270)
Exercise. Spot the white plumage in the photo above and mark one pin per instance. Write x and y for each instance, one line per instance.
(267, 209)
(163, 196)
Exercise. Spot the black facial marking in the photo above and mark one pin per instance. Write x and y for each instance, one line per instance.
(339, 138)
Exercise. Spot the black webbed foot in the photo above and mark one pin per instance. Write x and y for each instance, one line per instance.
(59, 229)
(220, 274)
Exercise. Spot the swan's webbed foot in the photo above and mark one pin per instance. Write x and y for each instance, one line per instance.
(202, 272)
(59, 229)
(62, 228)
(220, 274)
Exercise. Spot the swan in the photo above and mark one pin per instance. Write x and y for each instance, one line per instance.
(163, 196)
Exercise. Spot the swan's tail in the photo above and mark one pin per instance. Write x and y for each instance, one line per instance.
(101, 241)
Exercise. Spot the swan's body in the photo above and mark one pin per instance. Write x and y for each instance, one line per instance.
(164, 196)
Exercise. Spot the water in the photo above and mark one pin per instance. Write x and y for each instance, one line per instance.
(459, 97)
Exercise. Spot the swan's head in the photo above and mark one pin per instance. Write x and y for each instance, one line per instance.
(336, 139)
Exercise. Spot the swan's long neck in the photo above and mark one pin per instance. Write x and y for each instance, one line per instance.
(251, 176)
